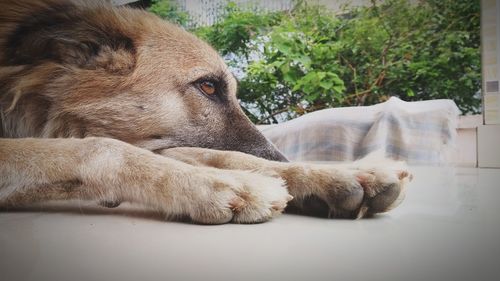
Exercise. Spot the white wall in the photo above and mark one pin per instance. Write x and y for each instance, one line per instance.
(206, 12)
(490, 42)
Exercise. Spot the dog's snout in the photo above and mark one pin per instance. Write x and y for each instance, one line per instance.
(282, 158)
(277, 156)
(257, 144)
(247, 138)
(267, 151)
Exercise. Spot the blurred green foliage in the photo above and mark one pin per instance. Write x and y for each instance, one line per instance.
(306, 59)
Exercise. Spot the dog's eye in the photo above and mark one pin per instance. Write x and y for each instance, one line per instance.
(208, 87)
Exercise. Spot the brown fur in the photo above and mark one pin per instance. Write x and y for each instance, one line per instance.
(114, 84)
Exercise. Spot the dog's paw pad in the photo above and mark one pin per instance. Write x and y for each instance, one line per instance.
(110, 203)
(385, 192)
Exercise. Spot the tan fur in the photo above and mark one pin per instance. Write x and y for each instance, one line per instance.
(350, 190)
(88, 92)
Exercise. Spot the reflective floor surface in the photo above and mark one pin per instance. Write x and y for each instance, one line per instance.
(448, 228)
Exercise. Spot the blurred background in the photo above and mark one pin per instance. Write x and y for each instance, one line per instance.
(294, 57)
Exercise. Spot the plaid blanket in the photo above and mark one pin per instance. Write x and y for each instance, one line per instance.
(422, 132)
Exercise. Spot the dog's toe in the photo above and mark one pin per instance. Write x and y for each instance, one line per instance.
(264, 197)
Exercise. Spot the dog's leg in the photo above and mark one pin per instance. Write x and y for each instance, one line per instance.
(352, 190)
(101, 169)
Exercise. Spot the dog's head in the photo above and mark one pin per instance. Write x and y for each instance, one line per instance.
(120, 73)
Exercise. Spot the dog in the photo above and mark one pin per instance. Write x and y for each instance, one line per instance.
(113, 104)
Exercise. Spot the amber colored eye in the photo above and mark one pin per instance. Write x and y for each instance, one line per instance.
(207, 87)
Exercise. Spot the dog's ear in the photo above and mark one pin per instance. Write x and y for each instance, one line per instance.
(71, 36)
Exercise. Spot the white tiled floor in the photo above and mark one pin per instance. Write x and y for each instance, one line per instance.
(448, 228)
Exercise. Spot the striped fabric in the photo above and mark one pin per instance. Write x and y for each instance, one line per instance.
(421, 132)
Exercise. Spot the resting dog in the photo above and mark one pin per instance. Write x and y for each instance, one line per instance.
(116, 105)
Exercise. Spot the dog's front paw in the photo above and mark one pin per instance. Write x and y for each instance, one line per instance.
(354, 191)
(239, 197)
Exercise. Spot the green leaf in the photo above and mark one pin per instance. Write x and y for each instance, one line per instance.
(288, 77)
(326, 84)
(338, 89)
(410, 93)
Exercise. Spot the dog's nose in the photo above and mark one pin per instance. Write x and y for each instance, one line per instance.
(248, 139)
(279, 157)
(271, 153)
